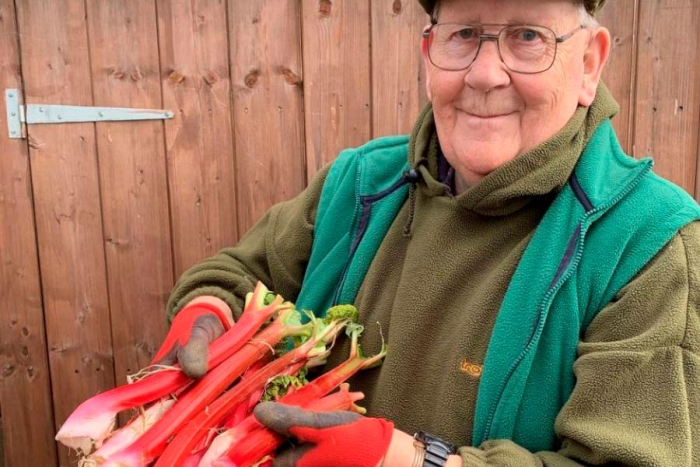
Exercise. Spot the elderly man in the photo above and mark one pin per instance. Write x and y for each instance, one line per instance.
(537, 288)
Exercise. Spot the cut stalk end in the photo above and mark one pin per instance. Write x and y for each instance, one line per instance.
(85, 435)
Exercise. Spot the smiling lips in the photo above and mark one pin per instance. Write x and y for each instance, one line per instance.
(487, 115)
(482, 113)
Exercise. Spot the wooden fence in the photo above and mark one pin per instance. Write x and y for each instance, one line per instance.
(97, 220)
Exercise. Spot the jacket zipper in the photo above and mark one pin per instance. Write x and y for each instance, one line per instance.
(366, 202)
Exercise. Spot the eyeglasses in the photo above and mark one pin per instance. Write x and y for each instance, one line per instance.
(523, 48)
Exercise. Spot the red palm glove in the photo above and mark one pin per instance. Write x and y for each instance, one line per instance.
(187, 341)
(331, 439)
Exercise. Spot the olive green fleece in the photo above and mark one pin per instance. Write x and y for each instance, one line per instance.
(481, 235)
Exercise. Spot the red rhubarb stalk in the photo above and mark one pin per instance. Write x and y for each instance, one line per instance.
(152, 443)
(252, 450)
(228, 439)
(93, 421)
(193, 460)
(249, 449)
(291, 362)
(238, 414)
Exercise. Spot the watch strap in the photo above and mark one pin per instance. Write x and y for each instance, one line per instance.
(436, 450)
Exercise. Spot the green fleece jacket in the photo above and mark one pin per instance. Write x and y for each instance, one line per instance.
(637, 368)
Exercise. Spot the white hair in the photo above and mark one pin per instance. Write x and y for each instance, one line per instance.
(585, 18)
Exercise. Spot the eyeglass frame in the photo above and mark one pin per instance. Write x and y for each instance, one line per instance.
(494, 37)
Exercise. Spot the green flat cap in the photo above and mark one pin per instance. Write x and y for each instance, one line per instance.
(593, 6)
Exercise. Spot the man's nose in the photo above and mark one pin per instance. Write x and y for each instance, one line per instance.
(487, 71)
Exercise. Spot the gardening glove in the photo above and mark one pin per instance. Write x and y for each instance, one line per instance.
(191, 331)
(329, 439)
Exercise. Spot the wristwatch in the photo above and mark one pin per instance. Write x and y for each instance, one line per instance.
(436, 450)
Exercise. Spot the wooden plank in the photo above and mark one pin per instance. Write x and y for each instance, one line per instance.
(697, 162)
(266, 77)
(619, 74)
(398, 89)
(126, 73)
(668, 95)
(55, 67)
(337, 93)
(25, 386)
(196, 83)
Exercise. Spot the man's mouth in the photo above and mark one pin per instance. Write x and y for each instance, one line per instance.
(488, 115)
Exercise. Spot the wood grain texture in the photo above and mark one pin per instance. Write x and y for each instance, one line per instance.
(25, 386)
(55, 67)
(133, 176)
(267, 80)
(621, 19)
(193, 40)
(337, 88)
(668, 95)
(398, 89)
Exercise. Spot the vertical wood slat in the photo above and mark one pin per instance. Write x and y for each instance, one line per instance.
(55, 67)
(619, 73)
(337, 92)
(398, 92)
(668, 95)
(266, 76)
(126, 73)
(25, 386)
(196, 84)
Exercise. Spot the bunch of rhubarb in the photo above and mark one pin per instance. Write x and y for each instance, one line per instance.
(209, 421)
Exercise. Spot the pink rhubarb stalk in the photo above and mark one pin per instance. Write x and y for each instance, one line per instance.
(149, 446)
(128, 434)
(291, 362)
(93, 421)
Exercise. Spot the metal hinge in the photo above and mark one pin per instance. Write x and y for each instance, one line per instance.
(18, 114)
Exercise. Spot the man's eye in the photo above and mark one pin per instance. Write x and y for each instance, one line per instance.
(527, 35)
(466, 33)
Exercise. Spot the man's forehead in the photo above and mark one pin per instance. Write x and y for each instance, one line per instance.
(550, 13)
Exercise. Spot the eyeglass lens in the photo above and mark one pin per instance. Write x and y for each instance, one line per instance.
(524, 49)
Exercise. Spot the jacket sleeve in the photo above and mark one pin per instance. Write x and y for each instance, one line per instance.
(275, 251)
(637, 395)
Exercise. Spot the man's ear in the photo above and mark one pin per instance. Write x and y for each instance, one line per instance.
(426, 62)
(594, 59)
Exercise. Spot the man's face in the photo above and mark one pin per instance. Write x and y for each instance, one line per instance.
(487, 115)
